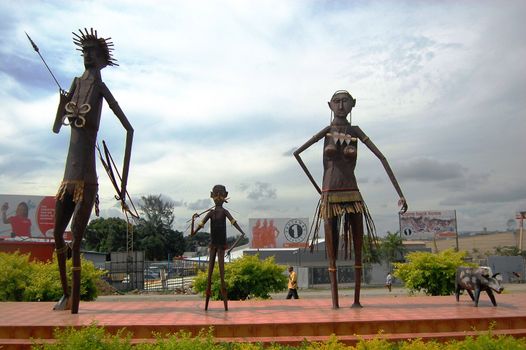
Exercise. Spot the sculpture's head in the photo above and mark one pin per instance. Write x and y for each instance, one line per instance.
(341, 103)
(97, 52)
(219, 194)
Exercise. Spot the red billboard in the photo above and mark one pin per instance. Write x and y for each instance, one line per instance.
(26, 216)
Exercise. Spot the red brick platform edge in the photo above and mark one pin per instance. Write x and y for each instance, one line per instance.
(284, 321)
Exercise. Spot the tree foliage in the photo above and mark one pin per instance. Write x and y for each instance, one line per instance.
(154, 233)
(232, 239)
(106, 235)
(246, 277)
(434, 274)
(370, 251)
(392, 247)
(157, 211)
(200, 239)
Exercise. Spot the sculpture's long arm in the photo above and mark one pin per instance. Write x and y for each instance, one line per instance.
(306, 145)
(201, 224)
(236, 225)
(114, 106)
(367, 141)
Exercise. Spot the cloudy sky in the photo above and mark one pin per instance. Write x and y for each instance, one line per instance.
(224, 91)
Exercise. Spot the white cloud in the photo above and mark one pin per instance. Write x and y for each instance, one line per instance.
(219, 92)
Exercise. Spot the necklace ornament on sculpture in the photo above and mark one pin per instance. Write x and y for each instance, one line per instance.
(76, 115)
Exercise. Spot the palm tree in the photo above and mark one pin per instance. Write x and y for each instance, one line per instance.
(392, 248)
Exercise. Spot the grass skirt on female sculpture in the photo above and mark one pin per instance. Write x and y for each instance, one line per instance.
(336, 205)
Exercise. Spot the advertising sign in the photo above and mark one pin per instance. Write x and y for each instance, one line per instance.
(26, 216)
(428, 225)
(278, 232)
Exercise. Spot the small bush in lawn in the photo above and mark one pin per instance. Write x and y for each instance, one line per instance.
(45, 281)
(92, 337)
(23, 280)
(15, 272)
(95, 337)
(183, 341)
(432, 273)
(331, 344)
(244, 277)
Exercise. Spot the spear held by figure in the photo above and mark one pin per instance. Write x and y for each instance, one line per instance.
(35, 47)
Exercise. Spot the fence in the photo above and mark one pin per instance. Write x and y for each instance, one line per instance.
(129, 271)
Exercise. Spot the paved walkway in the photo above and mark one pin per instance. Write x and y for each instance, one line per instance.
(312, 293)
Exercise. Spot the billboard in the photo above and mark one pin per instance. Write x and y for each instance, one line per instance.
(278, 232)
(428, 225)
(26, 216)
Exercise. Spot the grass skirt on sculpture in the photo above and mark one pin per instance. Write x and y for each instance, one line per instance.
(336, 205)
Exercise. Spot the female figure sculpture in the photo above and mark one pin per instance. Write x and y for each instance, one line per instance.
(341, 203)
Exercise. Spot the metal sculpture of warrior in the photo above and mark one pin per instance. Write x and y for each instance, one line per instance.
(341, 204)
(217, 216)
(80, 108)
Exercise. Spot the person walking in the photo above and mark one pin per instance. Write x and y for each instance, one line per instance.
(389, 281)
(293, 284)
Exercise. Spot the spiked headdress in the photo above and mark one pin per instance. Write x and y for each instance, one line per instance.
(105, 45)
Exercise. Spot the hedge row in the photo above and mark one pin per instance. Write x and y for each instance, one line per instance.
(95, 337)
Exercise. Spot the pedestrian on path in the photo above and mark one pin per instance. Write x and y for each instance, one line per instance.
(389, 281)
(293, 284)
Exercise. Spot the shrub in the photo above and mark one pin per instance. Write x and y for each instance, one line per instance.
(432, 273)
(45, 282)
(23, 280)
(183, 341)
(92, 337)
(15, 272)
(96, 337)
(244, 277)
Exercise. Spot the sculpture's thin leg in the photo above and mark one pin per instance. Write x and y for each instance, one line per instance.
(331, 243)
(357, 235)
(78, 226)
(211, 263)
(221, 262)
(63, 212)
(346, 236)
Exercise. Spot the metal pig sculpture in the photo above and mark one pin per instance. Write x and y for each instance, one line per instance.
(477, 279)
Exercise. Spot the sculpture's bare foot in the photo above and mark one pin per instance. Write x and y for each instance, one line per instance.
(63, 304)
(356, 305)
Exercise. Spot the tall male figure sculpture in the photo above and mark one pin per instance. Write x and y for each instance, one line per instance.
(80, 108)
(341, 202)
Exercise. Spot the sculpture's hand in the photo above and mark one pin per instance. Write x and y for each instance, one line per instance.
(124, 205)
(63, 92)
(402, 204)
(192, 231)
(5, 206)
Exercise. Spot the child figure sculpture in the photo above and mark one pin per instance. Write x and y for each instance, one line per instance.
(341, 202)
(80, 108)
(217, 216)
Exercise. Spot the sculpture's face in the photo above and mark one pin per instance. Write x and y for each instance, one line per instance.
(93, 56)
(341, 104)
(219, 194)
